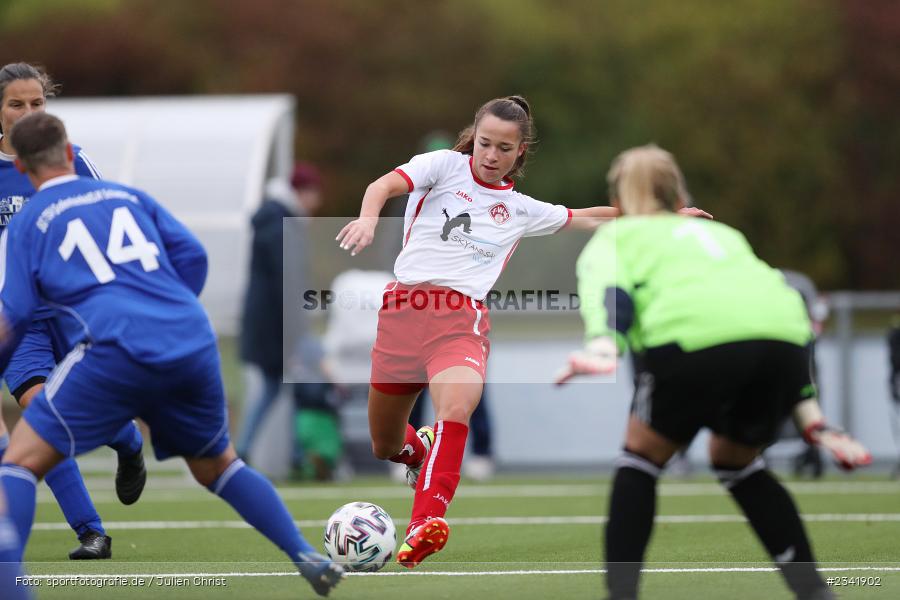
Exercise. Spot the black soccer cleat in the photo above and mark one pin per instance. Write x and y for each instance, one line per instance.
(131, 475)
(321, 573)
(94, 545)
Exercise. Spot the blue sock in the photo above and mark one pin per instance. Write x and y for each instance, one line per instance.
(67, 485)
(4, 444)
(10, 567)
(19, 485)
(128, 441)
(255, 499)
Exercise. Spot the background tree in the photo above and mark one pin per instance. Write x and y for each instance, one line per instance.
(782, 113)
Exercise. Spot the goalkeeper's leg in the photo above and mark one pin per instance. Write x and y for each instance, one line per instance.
(771, 512)
(632, 506)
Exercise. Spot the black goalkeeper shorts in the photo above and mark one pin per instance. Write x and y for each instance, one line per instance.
(741, 390)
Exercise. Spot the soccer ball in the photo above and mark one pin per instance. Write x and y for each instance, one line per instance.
(360, 536)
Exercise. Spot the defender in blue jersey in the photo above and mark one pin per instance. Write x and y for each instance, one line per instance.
(126, 275)
(24, 89)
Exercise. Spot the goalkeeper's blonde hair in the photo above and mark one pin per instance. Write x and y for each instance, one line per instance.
(646, 179)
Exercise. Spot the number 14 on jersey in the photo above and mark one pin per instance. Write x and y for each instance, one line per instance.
(123, 223)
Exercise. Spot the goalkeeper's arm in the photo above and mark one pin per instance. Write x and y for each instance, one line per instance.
(846, 451)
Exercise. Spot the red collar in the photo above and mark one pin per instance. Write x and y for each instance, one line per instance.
(507, 186)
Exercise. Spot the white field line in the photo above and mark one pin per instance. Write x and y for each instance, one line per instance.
(188, 492)
(503, 521)
(152, 576)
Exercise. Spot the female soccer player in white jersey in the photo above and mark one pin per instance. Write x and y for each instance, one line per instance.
(24, 89)
(463, 222)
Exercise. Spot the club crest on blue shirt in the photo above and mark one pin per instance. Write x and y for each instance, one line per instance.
(9, 206)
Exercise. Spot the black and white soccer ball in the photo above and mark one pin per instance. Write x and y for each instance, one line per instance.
(360, 536)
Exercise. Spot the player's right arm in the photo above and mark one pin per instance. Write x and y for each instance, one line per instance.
(358, 234)
(604, 291)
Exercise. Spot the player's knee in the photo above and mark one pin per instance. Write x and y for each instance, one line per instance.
(634, 459)
(32, 464)
(30, 451)
(723, 451)
(457, 412)
(730, 476)
(207, 470)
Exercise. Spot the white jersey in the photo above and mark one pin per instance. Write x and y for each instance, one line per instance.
(459, 231)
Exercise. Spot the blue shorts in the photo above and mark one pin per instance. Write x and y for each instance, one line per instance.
(34, 358)
(96, 389)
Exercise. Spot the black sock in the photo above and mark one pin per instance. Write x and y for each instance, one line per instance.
(774, 517)
(632, 507)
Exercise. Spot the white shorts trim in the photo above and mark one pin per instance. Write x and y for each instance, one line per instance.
(56, 379)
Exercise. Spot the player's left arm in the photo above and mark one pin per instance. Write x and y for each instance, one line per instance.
(591, 218)
(846, 451)
(588, 219)
(19, 296)
(184, 250)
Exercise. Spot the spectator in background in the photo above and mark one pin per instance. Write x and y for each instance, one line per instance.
(894, 351)
(348, 341)
(269, 345)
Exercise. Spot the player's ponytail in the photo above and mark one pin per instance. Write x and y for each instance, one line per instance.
(511, 108)
(523, 104)
(646, 179)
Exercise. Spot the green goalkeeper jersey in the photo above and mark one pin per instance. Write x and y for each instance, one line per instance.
(655, 280)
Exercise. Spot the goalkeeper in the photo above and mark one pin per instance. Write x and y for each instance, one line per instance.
(725, 347)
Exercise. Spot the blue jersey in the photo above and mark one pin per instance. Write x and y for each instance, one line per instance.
(16, 189)
(118, 268)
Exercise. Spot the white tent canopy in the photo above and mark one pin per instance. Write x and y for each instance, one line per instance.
(205, 158)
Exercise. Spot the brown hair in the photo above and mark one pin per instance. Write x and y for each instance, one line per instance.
(510, 108)
(646, 179)
(39, 140)
(23, 71)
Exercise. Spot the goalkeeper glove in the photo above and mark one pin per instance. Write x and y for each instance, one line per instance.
(599, 357)
(846, 451)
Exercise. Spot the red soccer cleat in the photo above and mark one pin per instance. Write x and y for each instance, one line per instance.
(423, 541)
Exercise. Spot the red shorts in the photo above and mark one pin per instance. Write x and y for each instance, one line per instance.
(424, 329)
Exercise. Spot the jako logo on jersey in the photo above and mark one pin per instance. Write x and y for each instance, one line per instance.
(461, 219)
(472, 360)
(464, 196)
(499, 213)
(442, 499)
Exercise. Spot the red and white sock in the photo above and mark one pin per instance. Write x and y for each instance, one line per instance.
(413, 452)
(440, 475)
